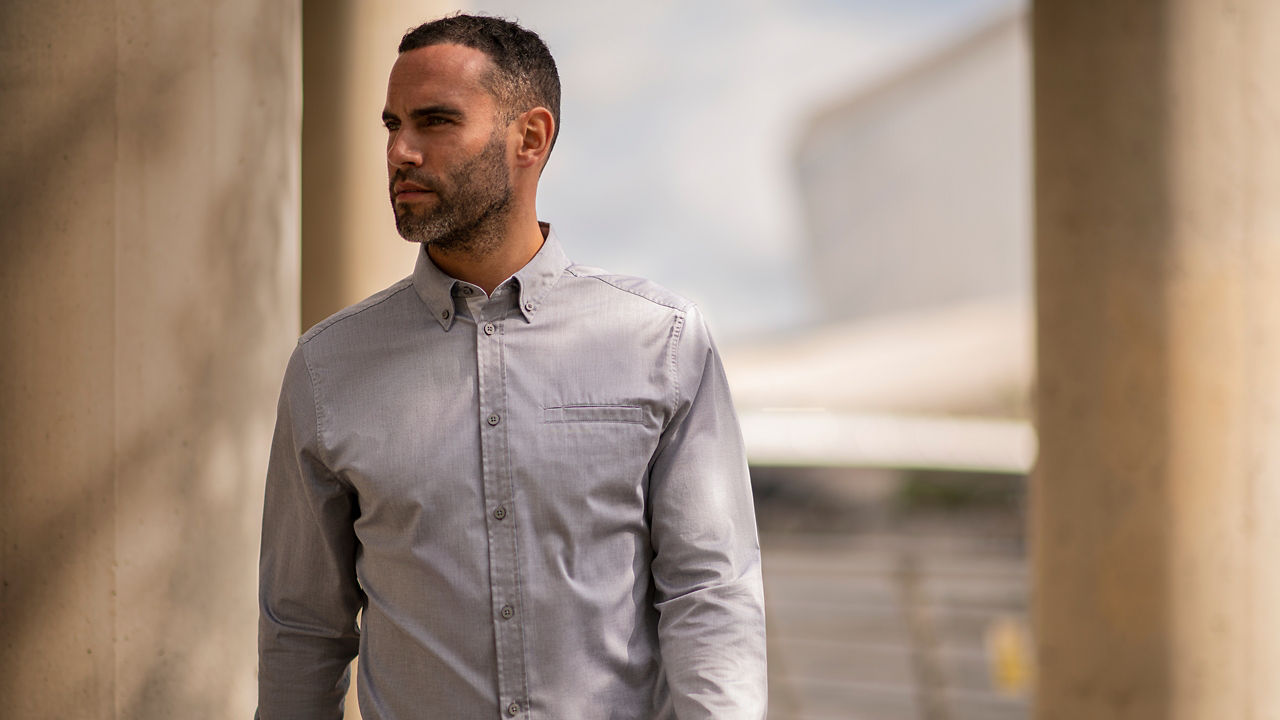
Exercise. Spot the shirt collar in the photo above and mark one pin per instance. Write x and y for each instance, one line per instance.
(533, 281)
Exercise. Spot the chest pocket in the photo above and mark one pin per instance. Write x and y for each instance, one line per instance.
(596, 456)
(593, 414)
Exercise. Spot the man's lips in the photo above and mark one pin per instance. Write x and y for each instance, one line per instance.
(409, 191)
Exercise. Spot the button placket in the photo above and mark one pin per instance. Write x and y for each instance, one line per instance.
(504, 565)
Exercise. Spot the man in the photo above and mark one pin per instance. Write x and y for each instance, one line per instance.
(526, 474)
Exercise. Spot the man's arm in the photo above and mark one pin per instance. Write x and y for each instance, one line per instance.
(308, 596)
(706, 565)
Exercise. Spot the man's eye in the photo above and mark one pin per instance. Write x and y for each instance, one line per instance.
(392, 127)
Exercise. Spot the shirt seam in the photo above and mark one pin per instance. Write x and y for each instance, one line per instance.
(677, 335)
(351, 312)
(615, 286)
(321, 450)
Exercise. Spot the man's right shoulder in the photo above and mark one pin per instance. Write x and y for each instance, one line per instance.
(367, 316)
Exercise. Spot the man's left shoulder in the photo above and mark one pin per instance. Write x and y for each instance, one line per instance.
(639, 287)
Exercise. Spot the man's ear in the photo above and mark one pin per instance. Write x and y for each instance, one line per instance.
(537, 127)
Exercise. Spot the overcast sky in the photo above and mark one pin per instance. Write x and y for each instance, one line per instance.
(679, 121)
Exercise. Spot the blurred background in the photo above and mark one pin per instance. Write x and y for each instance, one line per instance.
(846, 187)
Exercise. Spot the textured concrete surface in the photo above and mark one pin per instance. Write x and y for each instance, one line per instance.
(149, 301)
(1156, 502)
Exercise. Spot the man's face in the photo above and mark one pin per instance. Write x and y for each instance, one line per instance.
(446, 149)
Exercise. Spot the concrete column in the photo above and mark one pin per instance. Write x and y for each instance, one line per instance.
(350, 245)
(1156, 501)
(148, 302)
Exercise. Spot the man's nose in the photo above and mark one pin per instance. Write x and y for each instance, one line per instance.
(402, 151)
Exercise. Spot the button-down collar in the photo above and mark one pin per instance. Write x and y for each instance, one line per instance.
(533, 281)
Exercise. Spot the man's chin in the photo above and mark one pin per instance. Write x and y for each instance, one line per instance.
(413, 235)
(414, 229)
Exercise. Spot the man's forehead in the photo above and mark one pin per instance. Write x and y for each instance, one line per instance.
(444, 67)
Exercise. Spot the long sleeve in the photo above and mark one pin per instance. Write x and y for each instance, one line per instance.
(308, 594)
(706, 566)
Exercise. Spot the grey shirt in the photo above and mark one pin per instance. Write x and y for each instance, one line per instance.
(541, 508)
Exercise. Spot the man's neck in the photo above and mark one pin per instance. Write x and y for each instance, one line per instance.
(488, 269)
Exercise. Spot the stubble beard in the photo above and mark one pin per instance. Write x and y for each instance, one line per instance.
(467, 221)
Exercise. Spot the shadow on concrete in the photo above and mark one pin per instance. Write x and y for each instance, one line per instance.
(1099, 495)
(137, 403)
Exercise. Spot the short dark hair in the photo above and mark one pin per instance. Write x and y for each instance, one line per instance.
(526, 75)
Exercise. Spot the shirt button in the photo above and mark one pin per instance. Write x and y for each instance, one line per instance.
(494, 419)
(529, 306)
(444, 314)
(466, 291)
(513, 709)
(500, 512)
(489, 329)
(508, 612)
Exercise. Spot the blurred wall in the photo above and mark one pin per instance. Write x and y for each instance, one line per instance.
(148, 302)
(350, 245)
(917, 192)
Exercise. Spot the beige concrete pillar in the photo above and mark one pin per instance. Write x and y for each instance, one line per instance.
(148, 303)
(1156, 502)
(350, 245)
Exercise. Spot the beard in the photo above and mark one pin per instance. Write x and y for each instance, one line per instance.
(470, 202)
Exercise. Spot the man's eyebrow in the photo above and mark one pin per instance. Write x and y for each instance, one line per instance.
(422, 112)
(430, 110)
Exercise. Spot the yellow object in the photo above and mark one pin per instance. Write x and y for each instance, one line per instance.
(1009, 656)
